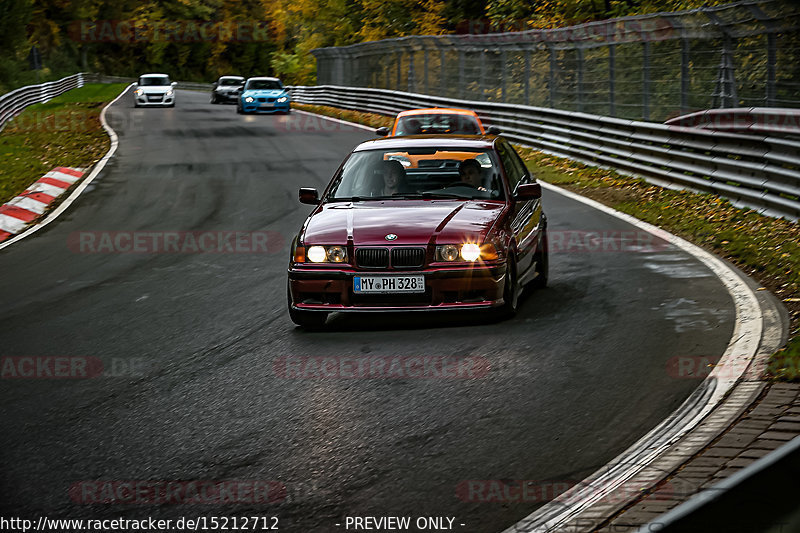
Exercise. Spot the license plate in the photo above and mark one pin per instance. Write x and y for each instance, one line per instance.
(388, 284)
(267, 105)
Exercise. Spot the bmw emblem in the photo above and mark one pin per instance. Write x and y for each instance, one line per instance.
(391, 237)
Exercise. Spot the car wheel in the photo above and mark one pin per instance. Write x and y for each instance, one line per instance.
(239, 109)
(542, 259)
(213, 98)
(510, 290)
(305, 319)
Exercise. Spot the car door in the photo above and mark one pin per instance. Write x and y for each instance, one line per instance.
(526, 215)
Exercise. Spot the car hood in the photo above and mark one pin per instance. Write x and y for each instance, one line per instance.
(264, 92)
(414, 222)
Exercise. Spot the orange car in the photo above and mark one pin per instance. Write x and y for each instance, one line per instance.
(436, 120)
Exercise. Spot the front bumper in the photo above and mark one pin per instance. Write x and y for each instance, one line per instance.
(265, 107)
(147, 100)
(226, 97)
(470, 287)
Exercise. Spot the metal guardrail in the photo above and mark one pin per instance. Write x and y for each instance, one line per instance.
(755, 120)
(756, 171)
(11, 104)
(186, 85)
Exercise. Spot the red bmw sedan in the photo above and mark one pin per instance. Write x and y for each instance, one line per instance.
(420, 223)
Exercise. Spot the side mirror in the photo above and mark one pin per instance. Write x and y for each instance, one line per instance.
(309, 196)
(383, 131)
(528, 191)
(174, 83)
(493, 130)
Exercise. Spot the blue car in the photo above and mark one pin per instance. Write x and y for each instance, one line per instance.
(263, 95)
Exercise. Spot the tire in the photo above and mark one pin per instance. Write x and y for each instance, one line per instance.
(239, 109)
(214, 99)
(542, 263)
(510, 290)
(305, 319)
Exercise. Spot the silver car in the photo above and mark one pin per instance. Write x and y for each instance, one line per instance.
(226, 89)
(154, 90)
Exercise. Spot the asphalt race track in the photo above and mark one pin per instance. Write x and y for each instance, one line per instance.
(191, 346)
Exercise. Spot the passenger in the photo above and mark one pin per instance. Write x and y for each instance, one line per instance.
(469, 170)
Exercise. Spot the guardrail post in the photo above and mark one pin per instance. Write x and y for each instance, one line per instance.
(579, 88)
(461, 76)
(684, 75)
(484, 55)
(503, 75)
(425, 70)
(399, 59)
(646, 80)
(553, 77)
(527, 80)
(411, 75)
(443, 72)
(771, 60)
(612, 60)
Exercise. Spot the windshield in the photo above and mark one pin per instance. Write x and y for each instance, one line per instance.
(230, 81)
(419, 173)
(154, 80)
(264, 85)
(437, 123)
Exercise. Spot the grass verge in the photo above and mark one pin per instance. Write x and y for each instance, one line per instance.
(64, 132)
(765, 248)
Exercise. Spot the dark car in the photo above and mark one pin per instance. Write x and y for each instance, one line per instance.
(400, 228)
(226, 89)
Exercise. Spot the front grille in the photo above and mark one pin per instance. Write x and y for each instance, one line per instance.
(408, 257)
(154, 98)
(372, 257)
(261, 99)
(270, 99)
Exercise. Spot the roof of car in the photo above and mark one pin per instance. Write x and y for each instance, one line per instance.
(428, 141)
(231, 77)
(263, 78)
(436, 110)
(154, 76)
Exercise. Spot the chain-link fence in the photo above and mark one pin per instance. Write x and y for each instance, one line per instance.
(650, 67)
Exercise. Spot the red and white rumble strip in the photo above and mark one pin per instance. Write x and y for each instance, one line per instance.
(20, 211)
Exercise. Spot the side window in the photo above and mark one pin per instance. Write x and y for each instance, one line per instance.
(511, 164)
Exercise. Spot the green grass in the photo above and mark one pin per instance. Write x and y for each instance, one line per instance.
(765, 248)
(65, 131)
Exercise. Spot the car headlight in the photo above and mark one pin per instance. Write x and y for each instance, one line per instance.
(139, 92)
(466, 252)
(168, 93)
(282, 99)
(249, 99)
(326, 254)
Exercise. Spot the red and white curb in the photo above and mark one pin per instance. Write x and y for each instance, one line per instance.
(24, 209)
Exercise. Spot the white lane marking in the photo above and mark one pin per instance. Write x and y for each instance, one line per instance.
(85, 183)
(741, 350)
(11, 224)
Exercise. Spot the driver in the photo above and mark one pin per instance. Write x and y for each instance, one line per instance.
(469, 170)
